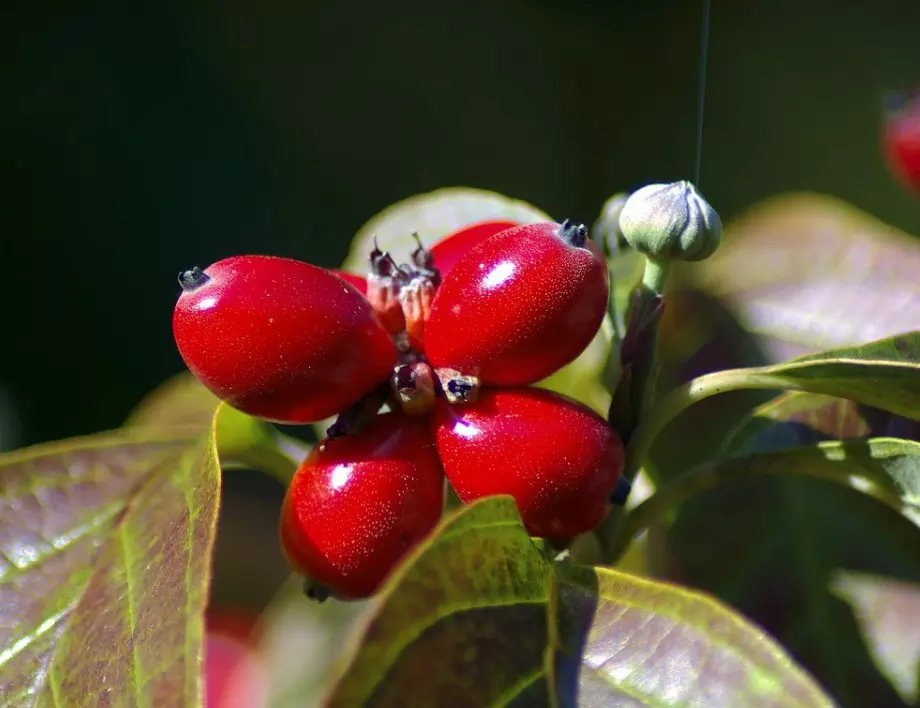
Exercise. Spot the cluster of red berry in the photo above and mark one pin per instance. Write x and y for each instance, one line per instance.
(449, 342)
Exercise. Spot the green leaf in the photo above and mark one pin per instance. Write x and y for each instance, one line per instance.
(796, 274)
(769, 547)
(104, 572)
(805, 272)
(884, 609)
(884, 374)
(463, 622)
(183, 404)
(802, 273)
(629, 641)
(796, 418)
(433, 216)
(180, 402)
(886, 468)
(698, 336)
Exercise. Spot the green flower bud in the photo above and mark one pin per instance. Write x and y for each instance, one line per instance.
(671, 222)
(607, 227)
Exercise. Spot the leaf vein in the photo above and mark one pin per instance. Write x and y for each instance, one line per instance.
(131, 611)
(413, 632)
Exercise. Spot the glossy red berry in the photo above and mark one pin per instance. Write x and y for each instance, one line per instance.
(556, 457)
(356, 280)
(520, 305)
(450, 249)
(280, 339)
(901, 142)
(355, 508)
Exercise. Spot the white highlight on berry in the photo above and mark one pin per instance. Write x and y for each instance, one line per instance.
(465, 430)
(499, 274)
(340, 476)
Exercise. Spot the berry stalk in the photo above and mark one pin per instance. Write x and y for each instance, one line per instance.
(699, 389)
(666, 223)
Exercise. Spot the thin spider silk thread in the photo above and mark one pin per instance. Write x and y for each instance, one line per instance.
(704, 58)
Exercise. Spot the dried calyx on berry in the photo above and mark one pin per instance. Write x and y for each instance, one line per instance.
(192, 279)
(573, 233)
(401, 294)
(413, 388)
(383, 285)
(423, 260)
(670, 222)
(415, 298)
(456, 387)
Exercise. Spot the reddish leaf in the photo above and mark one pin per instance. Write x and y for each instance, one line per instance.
(477, 617)
(104, 576)
(463, 622)
(630, 641)
(796, 418)
(805, 272)
(885, 608)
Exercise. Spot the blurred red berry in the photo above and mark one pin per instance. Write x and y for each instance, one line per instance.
(901, 141)
(234, 675)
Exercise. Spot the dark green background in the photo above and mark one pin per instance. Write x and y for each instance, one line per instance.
(141, 139)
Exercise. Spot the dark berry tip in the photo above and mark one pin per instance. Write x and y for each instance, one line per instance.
(459, 388)
(382, 263)
(421, 256)
(405, 378)
(192, 279)
(315, 591)
(573, 233)
(621, 492)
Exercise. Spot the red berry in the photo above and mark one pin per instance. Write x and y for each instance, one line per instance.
(356, 280)
(557, 458)
(280, 339)
(234, 675)
(451, 248)
(239, 622)
(901, 143)
(357, 506)
(520, 305)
